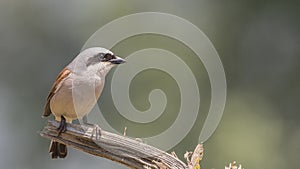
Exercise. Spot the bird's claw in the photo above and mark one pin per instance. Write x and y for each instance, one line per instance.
(96, 132)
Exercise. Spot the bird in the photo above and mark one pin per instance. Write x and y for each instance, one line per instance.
(88, 69)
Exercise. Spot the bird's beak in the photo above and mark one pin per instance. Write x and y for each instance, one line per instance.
(117, 61)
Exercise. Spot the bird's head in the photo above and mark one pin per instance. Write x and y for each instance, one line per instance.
(95, 60)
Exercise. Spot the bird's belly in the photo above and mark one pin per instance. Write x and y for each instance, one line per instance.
(73, 100)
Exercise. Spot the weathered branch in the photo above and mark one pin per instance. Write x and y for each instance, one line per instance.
(128, 151)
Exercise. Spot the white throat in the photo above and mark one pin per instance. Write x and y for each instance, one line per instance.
(101, 69)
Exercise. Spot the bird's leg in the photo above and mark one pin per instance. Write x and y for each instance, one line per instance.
(85, 120)
(62, 126)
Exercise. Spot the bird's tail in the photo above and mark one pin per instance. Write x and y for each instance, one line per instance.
(58, 150)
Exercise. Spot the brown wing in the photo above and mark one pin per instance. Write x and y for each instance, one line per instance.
(62, 75)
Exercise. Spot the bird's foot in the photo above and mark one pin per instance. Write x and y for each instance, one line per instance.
(96, 132)
(62, 126)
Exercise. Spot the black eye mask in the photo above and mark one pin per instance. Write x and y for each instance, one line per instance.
(107, 57)
(101, 57)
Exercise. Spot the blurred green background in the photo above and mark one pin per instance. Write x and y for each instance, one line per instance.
(258, 43)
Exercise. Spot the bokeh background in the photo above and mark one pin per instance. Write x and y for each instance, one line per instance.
(258, 43)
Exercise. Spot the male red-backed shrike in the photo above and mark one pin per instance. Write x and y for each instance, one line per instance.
(89, 68)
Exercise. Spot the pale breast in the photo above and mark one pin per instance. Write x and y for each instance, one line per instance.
(76, 97)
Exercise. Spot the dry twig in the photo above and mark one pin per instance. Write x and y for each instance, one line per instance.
(118, 148)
